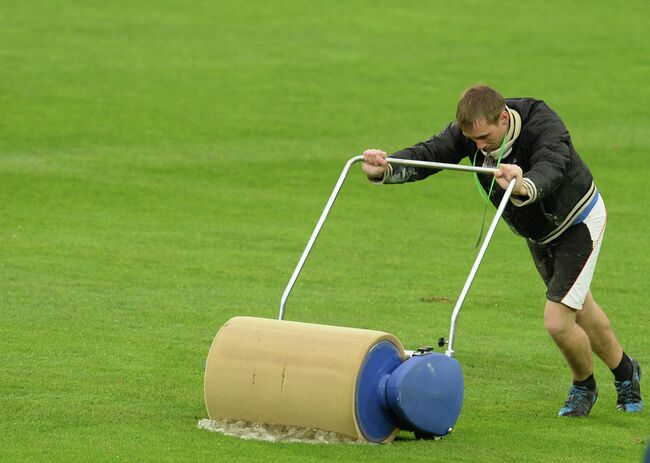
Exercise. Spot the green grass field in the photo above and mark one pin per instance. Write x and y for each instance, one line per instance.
(162, 165)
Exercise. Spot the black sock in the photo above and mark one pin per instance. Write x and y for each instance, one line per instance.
(589, 383)
(623, 371)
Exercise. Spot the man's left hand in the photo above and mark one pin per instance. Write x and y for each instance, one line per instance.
(506, 173)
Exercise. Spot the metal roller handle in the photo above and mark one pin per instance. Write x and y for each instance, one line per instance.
(335, 192)
(488, 236)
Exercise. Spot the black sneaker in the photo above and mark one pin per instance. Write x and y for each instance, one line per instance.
(579, 402)
(629, 392)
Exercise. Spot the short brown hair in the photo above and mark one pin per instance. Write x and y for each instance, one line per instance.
(477, 103)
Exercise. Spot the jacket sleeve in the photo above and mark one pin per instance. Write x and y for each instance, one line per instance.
(445, 147)
(550, 155)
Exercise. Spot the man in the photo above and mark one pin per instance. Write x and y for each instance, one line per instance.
(555, 206)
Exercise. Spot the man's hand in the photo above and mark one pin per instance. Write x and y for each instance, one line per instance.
(506, 173)
(374, 163)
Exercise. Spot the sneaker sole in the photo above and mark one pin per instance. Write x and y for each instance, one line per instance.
(633, 408)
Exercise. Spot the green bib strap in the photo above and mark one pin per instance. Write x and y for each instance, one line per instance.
(485, 197)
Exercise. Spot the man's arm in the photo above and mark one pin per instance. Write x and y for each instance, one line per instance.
(447, 147)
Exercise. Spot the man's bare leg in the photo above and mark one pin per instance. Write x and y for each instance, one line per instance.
(573, 341)
(627, 372)
(596, 325)
(570, 337)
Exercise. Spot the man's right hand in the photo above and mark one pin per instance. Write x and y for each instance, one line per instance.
(374, 163)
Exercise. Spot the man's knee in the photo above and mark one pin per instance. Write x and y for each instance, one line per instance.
(559, 319)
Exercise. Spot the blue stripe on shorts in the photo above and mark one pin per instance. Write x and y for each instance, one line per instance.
(583, 215)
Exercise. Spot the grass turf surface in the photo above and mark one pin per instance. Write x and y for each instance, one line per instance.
(162, 166)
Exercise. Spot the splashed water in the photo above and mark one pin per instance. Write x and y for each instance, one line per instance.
(274, 432)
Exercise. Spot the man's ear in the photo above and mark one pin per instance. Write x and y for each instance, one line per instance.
(504, 117)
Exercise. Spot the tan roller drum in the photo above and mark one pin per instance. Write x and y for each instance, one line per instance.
(290, 373)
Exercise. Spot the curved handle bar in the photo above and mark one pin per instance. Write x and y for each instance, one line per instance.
(405, 162)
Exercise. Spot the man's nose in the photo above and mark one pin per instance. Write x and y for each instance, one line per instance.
(481, 144)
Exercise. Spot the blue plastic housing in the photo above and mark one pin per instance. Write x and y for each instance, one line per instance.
(426, 393)
(422, 394)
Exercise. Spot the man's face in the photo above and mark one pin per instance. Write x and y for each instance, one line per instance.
(488, 137)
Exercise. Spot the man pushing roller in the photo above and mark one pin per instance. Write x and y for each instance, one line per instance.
(555, 205)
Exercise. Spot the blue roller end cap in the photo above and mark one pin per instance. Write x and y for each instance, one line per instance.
(425, 393)
(374, 417)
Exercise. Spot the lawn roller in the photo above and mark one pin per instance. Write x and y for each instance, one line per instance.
(357, 382)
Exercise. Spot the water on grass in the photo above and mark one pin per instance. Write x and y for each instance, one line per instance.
(274, 433)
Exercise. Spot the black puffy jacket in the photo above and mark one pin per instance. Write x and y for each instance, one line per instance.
(544, 152)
